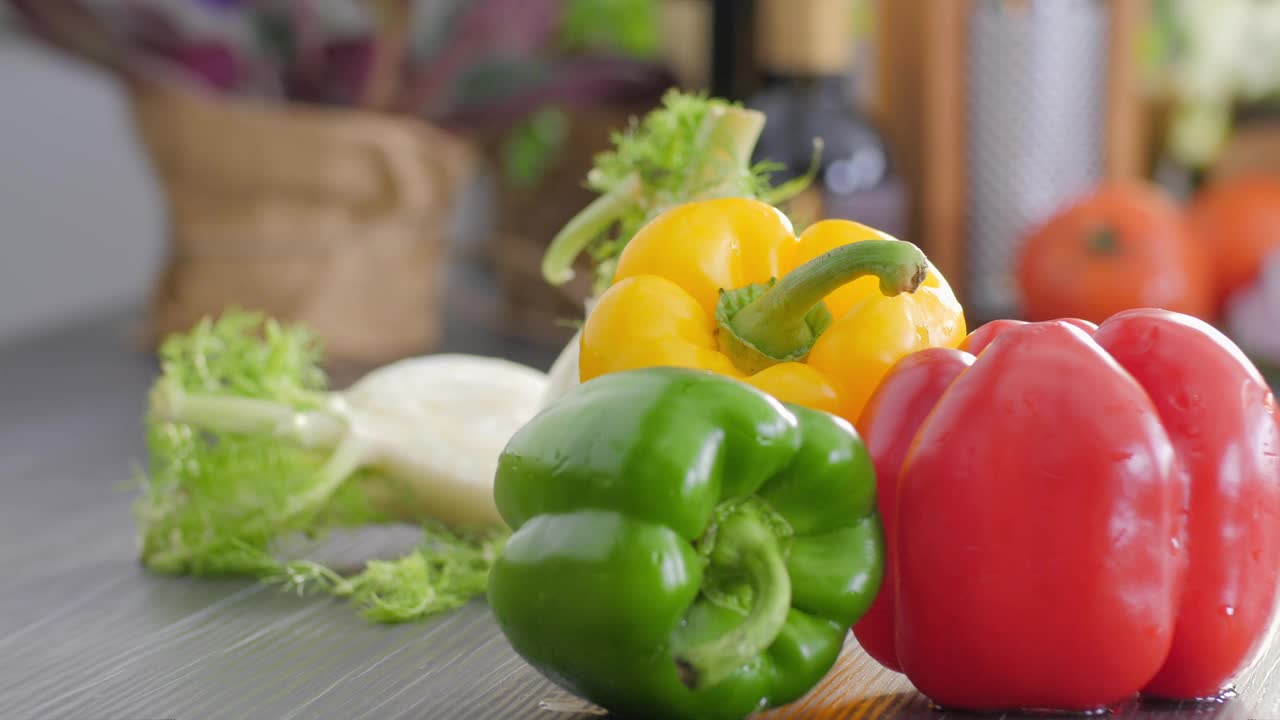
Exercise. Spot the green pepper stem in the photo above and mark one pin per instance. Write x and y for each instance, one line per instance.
(746, 542)
(776, 326)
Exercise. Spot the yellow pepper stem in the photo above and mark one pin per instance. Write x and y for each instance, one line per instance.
(763, 325)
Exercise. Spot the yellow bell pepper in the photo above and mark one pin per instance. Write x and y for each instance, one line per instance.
(725, 285)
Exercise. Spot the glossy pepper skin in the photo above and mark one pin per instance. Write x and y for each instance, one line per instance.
(662, 307)
(1084, 514)
(684, 546)
(888, 425)
(1222, 419)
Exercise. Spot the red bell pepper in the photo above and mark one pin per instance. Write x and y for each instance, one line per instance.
(1074, 519)
(975, 341)
(898, 408)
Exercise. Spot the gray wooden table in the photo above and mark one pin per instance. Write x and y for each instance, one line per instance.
(87, 634)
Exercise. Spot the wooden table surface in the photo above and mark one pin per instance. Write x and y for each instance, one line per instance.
(87, 634)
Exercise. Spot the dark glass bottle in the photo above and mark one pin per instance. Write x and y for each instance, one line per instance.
(804, 50)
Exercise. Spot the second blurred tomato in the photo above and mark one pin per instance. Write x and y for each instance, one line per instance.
(1238, 222)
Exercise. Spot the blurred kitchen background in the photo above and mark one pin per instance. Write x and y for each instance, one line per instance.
(390, 171)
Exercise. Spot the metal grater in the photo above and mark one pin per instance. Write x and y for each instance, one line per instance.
(1037, 80)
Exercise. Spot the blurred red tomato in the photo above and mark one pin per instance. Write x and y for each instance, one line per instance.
(1122, 246)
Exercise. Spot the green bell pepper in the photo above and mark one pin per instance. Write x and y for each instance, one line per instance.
(684, 545)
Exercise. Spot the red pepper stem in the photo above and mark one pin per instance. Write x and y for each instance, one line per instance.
(778, 325)
(743, 541)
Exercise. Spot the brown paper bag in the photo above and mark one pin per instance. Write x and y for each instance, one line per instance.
(337, 219)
